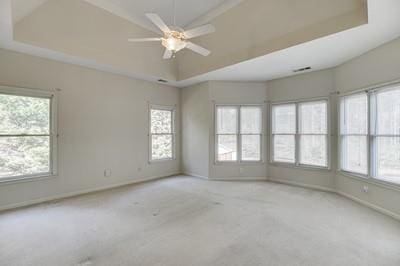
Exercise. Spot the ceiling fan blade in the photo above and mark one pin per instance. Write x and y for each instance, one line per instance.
(199, 31)
(198, 49)
(167, 54)
(144, 39)
(158, 22)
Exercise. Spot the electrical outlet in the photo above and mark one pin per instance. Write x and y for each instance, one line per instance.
(365, 189)
(107, 172)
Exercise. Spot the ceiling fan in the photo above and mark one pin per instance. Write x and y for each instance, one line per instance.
(175, 38)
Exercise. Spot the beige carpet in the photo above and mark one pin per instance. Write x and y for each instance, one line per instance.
(186, 221)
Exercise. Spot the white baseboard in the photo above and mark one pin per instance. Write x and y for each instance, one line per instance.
(226, 178)
(195, 175)
(360, 201)
(81, 192)
(370, 205)
(298, 184)
(241, 179)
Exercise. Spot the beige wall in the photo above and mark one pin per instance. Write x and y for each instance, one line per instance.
(94, 34)
(195, 130)
(198, 127)
(223, 92)
(306, 86)
(375, 67)
(102, 123)
(267, 28)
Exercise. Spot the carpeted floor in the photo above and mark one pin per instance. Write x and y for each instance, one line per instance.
(186, 221)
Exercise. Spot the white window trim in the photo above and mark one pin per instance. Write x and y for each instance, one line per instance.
(369, 177)
(341, 136)
(38, 93)
(171, 108)
(238, 135)
(297, 164)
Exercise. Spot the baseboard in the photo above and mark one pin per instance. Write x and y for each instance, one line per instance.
(227, 178)
(298, 184)
(195, 175)
(82, 192)
(370, 205)
(360, 201)
(241, 179)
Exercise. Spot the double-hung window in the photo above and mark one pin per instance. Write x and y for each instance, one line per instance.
(354, 133)
(370, 134)
(162, 133)
(299, 133)
(27, 133)
(238, 135)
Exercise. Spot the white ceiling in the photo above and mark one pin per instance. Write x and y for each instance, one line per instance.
(188, 12)
(383, 26)
(330, 51)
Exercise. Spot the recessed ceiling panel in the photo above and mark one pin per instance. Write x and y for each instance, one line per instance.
(186, 10)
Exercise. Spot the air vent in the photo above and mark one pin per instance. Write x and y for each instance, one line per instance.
(302, 69)
(162, 81)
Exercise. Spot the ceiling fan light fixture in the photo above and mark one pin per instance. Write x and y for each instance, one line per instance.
(174, 42)
(176, 38)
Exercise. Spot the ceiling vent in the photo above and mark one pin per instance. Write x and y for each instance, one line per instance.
(302, 69)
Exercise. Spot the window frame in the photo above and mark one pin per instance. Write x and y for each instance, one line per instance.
(53, 130)
(172, 109)
(342, 136)
(297, 135)
(372, 137)
(238, 134)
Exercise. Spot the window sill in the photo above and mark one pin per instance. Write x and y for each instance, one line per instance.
(303, 167)
(162, 160)
(24, 179)
(369, 180)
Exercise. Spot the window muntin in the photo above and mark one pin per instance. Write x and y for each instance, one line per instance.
(300, 133)
(26, 133)
(162, 133)
(238, 133)
(373, 153)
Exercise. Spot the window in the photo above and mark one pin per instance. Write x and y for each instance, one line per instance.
(354, 133)
(162, 133)
(238, 133)
(370, 134)
(27, 131)
(284, 133)
(386, 138)
(313, 133)
(300, 133)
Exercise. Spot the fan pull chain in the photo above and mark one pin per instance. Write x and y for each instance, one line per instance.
(174, 12)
